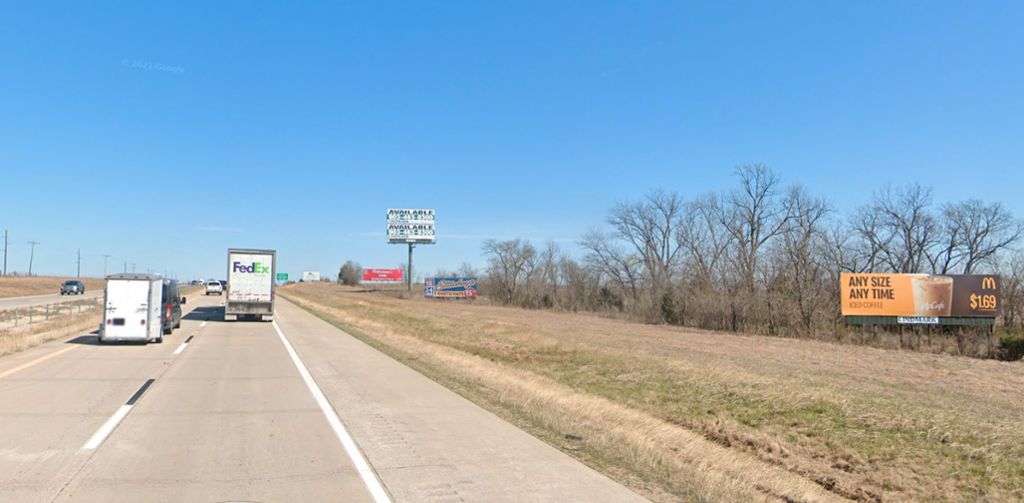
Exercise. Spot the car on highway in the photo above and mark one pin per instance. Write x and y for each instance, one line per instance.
(72, 287)
(170, 306)
(214, 287)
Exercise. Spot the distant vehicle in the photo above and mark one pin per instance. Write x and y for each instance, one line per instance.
(214, 287)
(250, 293)
(72, 287)
(132, 308)
(170, 306)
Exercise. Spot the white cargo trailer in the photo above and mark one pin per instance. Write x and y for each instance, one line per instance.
(131, 309)
(250, 292)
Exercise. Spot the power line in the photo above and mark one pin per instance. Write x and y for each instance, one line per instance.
(32, 256)
(6, 242)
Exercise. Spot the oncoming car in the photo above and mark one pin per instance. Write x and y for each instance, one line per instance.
(72, 286)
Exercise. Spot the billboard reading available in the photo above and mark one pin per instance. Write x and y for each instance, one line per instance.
(382, 275)
(920, 295)
(410, 226)
(450, 287)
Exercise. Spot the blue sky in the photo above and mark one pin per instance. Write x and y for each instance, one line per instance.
(162, 135)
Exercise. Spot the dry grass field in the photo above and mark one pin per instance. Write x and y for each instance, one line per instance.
(20, 339)
(684, 415)
(23, 286)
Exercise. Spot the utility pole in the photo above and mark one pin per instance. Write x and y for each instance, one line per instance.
(6, 242)
(79, 274)
(133, 267)
(105, 257)
(31, 257)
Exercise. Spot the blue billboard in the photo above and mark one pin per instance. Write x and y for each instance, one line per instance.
(450, 287)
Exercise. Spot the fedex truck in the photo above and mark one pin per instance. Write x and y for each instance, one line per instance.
(250, 293)
(132, 305)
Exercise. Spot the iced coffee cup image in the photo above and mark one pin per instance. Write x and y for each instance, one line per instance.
(933, 295)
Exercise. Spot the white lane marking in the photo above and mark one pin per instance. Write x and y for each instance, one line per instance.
(108, 427)
(180, 349)
(367, 474)
(203, 324)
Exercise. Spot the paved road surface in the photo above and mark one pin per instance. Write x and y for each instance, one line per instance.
(231, 417)
(39, 300)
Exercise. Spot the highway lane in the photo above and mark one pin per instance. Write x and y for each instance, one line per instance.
(39, 300)
(55, 396)
(231, 418)
(427, 443)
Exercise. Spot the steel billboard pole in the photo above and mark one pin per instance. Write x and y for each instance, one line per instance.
(410, 268)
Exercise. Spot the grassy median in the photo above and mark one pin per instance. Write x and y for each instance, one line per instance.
(685, 415)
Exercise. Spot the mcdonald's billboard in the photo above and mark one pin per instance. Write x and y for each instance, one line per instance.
(920, 295)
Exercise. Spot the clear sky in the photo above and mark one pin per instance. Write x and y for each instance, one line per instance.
(163, 135)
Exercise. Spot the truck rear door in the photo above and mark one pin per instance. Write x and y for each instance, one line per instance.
(250, 277)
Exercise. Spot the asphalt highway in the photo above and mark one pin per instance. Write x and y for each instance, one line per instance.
(290, 411)
(39, 300)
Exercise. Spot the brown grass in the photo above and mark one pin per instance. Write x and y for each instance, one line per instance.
(689, 415)
(23, 286)
(24, 337)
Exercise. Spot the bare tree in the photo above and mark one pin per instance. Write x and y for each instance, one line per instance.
(466, 270)
(907, 225)
(510, 264)
(803, 246)
(873, 237)
(754, 216)
(972, 233)
(703, 238)
(649, 227)
(611, 261)
(549, 265)
(581, 284)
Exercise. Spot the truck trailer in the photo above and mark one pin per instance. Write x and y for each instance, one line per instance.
(132, 308)
(250, 292)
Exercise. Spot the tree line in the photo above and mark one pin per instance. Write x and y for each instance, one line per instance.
(762, 257)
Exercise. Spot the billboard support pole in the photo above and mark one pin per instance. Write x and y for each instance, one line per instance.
(410, 270)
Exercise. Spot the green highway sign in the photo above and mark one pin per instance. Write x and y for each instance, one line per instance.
(282, 276)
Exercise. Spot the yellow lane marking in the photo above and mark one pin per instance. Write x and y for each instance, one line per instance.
(33, 362)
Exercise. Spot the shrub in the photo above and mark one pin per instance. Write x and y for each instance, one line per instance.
(1011, 347)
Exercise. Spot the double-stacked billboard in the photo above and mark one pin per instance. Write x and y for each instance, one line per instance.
(450, 287)
(920, 296)
(411, 226)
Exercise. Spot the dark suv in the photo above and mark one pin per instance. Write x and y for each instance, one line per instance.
(72, 286)
(170, 306)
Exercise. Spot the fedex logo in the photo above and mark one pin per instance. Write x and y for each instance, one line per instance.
(256, 268)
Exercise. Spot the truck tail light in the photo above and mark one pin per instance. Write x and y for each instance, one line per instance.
(143, 322)
(168, 312)
(110, 321)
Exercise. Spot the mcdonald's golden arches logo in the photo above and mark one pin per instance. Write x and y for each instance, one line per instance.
(988, 283)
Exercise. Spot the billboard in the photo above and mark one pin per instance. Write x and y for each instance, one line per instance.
(309, 276)
(382, 276)
(450, 287)
(920, 295)
(410, 226)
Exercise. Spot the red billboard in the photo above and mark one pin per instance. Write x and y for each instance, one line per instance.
(382, 276)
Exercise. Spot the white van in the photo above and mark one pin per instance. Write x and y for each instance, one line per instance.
(132, 308)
